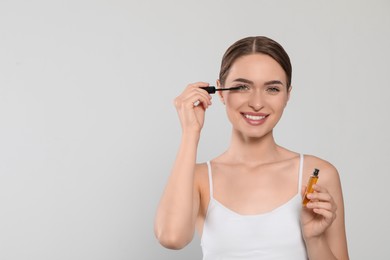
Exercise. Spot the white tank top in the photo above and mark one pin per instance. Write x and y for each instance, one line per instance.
(275, 235)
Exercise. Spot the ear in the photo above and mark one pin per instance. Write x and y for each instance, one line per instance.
(220, 93)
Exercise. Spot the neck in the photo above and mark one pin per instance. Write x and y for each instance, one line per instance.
(251, 150)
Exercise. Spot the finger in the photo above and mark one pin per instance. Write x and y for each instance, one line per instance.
(198, 84)
(195, 89)
(204, 94)
(320, 196)
(190, 96)
(319, 205)
(328, 215)
(319, 188)
(195, 99)
(324, 198)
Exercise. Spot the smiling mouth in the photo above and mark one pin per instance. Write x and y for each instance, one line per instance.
(254, 117)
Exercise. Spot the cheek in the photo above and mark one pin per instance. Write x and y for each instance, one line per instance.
(279, 104)
(232, 105)
(234, 101)
(281, 108)
(284, 102)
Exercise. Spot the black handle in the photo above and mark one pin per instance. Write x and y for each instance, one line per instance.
(209, 89)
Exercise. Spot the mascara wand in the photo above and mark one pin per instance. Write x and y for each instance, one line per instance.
(212, 89)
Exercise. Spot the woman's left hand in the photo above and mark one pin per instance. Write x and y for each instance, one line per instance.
(319, 213)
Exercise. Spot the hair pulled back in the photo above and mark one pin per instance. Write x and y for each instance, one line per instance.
(253, 45)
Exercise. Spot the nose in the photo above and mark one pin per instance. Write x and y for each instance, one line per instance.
(256, 100)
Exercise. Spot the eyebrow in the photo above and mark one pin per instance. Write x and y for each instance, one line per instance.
(271, 82)
(244, 80)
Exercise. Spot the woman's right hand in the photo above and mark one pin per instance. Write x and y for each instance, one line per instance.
(191, 116)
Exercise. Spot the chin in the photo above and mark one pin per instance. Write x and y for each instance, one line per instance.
(254, 134)
(257, 136)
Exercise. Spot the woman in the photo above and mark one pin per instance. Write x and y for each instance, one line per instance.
(247, 202)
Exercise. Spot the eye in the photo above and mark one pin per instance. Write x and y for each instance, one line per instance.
(273, 90)
(243, 88)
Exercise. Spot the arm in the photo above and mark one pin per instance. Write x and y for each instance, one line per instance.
(179, 205)
(322, 220)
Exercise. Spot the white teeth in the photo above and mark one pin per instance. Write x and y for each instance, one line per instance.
(254, 117)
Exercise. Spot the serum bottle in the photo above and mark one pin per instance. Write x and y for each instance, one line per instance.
(313, 180)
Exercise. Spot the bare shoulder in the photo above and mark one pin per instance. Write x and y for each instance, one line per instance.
(325, 165)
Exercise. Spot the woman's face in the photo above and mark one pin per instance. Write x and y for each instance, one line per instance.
(255, 109)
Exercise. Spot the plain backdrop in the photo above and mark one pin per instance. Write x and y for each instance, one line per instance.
(88, 130)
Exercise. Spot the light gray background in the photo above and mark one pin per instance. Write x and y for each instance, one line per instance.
(89, 133)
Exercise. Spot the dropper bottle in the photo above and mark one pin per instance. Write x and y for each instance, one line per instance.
(313, 180)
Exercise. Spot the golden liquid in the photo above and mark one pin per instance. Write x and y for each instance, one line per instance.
(313, 180)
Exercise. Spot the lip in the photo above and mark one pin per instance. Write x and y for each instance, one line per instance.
(254, 119)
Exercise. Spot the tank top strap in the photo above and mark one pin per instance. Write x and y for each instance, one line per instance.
(300, 173)
(210, 179)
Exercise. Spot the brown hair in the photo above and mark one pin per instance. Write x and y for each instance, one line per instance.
(252, 45)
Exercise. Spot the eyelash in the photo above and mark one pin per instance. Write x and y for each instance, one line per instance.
(269, 89)
(273, 89)
(242, 87)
